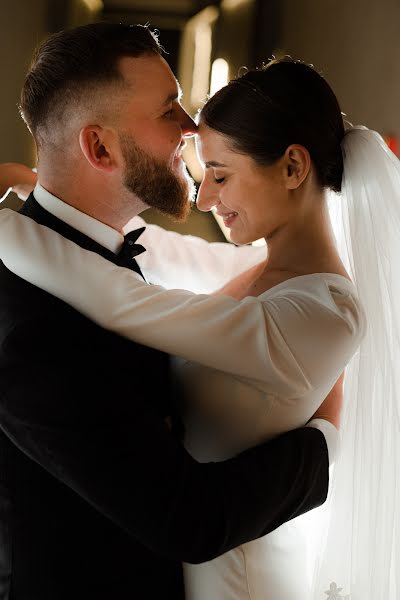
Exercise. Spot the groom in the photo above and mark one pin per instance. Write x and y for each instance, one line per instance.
(98, 497)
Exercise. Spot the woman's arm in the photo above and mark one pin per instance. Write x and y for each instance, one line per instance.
(272, 340)
(20, 178)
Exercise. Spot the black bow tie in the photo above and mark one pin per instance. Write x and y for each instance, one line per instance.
(130, 250)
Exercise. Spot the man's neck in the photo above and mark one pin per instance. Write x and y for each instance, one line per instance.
(93, 228)
(112, 207)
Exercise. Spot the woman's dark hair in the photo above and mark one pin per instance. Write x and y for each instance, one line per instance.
(285, 102)
(70, 63)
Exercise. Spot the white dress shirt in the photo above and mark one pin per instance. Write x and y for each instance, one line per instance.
(101, 233)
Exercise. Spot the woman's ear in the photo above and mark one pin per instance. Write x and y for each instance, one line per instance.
(297, 163)
(98, 147)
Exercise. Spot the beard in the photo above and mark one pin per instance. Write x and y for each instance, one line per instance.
(155, 183)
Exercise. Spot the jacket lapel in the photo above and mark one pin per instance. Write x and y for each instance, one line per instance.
(32, 209)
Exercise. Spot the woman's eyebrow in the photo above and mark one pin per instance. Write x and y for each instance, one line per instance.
(213, 163)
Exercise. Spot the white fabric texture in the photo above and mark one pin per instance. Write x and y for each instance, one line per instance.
(188, 262)
(281, 353)
(251, 338)
(360, 555)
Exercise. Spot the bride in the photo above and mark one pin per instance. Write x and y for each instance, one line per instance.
(272, 144)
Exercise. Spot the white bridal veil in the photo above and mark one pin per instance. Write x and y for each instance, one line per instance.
(360, 554)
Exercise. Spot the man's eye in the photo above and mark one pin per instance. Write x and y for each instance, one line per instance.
(219, 179)
(168, 113)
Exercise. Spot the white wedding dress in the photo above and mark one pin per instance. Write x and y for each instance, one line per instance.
(255, 368)
(227, 414)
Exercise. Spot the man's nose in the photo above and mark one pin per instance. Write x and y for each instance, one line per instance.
(188, 126)
(207, 198)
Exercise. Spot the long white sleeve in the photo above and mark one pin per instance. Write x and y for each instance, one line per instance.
(181, 261)
(274, 338)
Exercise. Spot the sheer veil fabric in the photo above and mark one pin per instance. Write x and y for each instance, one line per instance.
(359, 555)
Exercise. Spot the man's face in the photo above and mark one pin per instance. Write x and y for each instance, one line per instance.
(152, 125)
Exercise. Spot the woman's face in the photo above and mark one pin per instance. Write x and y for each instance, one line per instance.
(251, 199)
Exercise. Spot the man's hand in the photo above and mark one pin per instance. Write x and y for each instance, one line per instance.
(331, 407)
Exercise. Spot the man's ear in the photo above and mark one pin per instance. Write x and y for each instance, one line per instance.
(297, 164)
(98, 147)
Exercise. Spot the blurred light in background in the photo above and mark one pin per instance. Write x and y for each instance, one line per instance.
(94, 5)
(219, 75)
(195, 59)
(234, 4)
(194, 73)
(201, 63)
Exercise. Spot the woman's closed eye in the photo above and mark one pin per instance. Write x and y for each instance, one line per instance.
(219, 179)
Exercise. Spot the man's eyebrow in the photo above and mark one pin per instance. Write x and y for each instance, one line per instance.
(213, 163)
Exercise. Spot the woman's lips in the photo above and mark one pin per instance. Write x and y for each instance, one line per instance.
(229, 218)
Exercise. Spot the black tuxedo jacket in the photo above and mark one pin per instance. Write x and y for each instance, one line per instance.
(98, 499)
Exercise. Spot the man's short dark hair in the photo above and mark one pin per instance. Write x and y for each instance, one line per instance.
(71, 64)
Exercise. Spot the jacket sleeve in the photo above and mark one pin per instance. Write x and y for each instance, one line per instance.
(143, 480)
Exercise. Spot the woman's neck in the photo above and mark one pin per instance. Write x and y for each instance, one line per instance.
(301, 248)
(305, 244)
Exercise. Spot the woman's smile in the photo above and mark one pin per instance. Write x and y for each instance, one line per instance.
(228, 217)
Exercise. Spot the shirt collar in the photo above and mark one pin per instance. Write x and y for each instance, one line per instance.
(101, 233)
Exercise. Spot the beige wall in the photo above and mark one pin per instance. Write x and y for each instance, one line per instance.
(356, 44)
(22, 26)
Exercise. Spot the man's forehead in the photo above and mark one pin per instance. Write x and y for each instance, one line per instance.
(148, 72)
(175, 94)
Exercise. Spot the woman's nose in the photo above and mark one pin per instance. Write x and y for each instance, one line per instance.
(206, 197)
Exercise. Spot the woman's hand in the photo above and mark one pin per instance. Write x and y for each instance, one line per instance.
(20, 178)
(331, 408)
